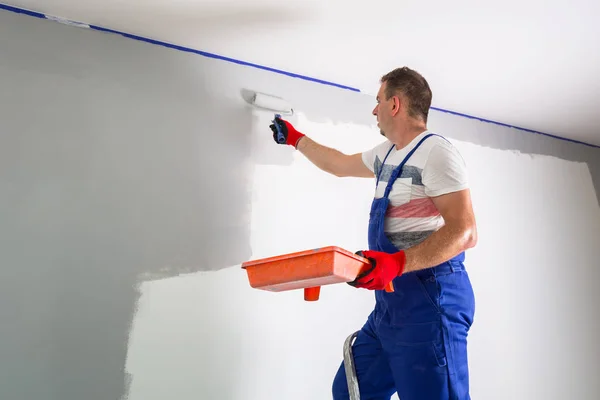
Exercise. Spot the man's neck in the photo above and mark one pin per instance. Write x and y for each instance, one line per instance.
(409, 135)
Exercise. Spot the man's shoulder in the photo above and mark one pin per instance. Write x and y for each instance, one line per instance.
(438, 139)
(440, 146)
(444, 168)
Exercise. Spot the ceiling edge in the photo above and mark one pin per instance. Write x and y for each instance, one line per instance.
(232, 60)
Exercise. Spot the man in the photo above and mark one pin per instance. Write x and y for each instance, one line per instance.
(421, 222)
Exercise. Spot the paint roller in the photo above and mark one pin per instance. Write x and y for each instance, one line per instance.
(267, 102)
(271, 103)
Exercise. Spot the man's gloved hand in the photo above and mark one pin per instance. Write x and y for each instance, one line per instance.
(384, 268)
(290, 134)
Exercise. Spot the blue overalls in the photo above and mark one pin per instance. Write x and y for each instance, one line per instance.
(414, 342)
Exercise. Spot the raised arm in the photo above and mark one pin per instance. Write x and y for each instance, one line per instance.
(333, 161)
(327, 159)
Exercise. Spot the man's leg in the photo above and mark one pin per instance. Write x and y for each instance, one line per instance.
(436, 370)
(375, 380)
(428, 357)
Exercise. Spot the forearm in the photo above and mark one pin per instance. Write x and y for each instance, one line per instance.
(321, 156)
(440, 247)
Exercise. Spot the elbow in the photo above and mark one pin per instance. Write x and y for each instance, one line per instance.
(332, 171)
(335, 170)
(332, 168)
(469, 236)
(464, 235)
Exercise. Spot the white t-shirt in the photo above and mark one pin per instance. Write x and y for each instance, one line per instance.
(435, 168)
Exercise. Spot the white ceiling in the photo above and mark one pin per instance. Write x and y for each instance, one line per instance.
(532, 64)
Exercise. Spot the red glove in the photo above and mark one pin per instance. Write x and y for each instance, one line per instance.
(385, 267)
(289, 134)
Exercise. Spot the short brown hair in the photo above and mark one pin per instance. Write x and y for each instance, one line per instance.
(413, 86)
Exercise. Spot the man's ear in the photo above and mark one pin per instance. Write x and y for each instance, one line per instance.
(395, 105)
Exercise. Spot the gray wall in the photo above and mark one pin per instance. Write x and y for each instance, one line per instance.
(108, 179)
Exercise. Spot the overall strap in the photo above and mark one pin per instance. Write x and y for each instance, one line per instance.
(383, 163)
(398, 169)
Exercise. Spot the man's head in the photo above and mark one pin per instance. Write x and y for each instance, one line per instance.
(403, 103)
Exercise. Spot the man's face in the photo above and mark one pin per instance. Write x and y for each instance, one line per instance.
(383, 111)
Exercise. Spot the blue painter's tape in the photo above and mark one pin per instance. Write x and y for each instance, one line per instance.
(278, 71)
(21, 11)
(223, 58)
(514, 127)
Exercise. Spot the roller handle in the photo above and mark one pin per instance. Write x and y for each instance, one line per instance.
(280, 136)
(389, 287)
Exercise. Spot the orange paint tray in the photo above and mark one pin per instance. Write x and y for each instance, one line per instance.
(308, 270)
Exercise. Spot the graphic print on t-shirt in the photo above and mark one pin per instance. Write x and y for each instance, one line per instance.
(435, 168)
(411, 216)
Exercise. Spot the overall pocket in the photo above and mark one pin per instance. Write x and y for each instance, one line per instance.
(414, 302)
(431, 290)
